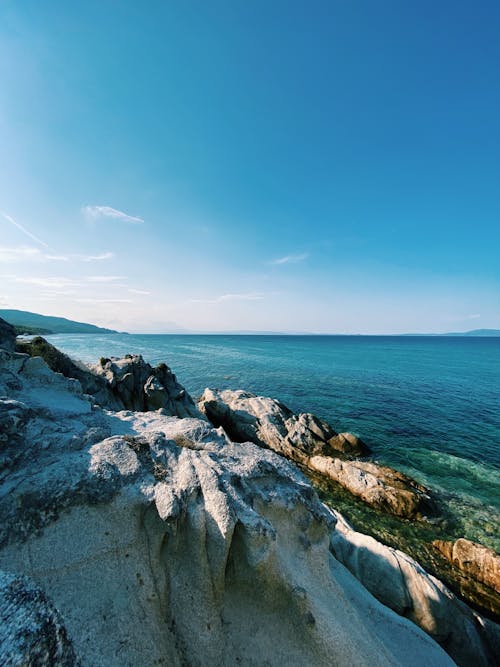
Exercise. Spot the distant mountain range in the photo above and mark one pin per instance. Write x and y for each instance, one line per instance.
(36, 324)
(484, 333)
(33, 323)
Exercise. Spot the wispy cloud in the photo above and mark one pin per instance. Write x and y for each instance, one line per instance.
(475, 316)
(231, 297)
(104, 300)
(104, 279)
(30, 253)
(25, 231)
(139, 291)
(290, 259)
(56, 282)
(97, 212)
(19, 253)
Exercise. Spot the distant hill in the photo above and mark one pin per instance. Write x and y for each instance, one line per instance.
(476, 332)
(33, 323)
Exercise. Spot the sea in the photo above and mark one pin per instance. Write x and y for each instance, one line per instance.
(426, 405)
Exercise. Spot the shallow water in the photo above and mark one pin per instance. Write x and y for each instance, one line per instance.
(429, 406)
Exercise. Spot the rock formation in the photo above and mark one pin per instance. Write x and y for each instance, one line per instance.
(474, 559)
(119, 384)
(313, 443)
(476, 569)
(140, 387)
(161, 542)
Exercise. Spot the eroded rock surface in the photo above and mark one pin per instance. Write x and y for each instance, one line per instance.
(162, 542)
(311, 442)
(31, 629)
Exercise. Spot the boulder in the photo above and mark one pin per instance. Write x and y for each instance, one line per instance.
(7, 335)
(313, 443)
(162, 542)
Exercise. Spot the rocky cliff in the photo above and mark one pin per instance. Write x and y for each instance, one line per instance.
(161, 541)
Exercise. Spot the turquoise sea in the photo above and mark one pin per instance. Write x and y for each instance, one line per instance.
(429, 406)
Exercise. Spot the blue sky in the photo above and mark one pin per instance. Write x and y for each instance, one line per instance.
(321, 166)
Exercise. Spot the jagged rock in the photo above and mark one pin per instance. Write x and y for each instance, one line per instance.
(7, 335)
(139, 386)
(403, 585)
(161, 542)
(31, 629)
(60, 363)
(314, 444)
(269, 423)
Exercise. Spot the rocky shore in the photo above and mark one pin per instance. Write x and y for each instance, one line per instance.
(150, 530)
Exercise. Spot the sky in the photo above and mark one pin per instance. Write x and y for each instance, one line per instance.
(329, 167)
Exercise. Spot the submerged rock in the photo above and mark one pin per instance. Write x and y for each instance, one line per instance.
(312, 442)
(162, 542)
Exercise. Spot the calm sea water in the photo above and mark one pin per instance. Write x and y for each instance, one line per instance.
(429, 406)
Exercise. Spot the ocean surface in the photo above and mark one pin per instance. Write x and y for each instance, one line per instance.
(428, 406)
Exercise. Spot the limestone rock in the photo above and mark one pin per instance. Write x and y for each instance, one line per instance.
(31, 629)
(403, 585)
(162, 542)
(311, 442)
(7, 335)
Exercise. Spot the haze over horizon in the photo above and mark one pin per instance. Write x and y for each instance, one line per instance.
(330, 167)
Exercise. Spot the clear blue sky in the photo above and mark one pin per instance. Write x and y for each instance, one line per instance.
(294, 166)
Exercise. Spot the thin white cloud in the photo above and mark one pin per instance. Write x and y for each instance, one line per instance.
(57, 282)
(104, 279)
(30, 253)
(97, 212)
(231, 297)
(96, 258)
(290, 259)
(24, 230)
(475, 316)
(18, 253)
(104, 300)
(139, 291)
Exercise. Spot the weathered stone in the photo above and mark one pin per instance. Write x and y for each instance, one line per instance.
(475, 560)
(312, 442)
(32, 632)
